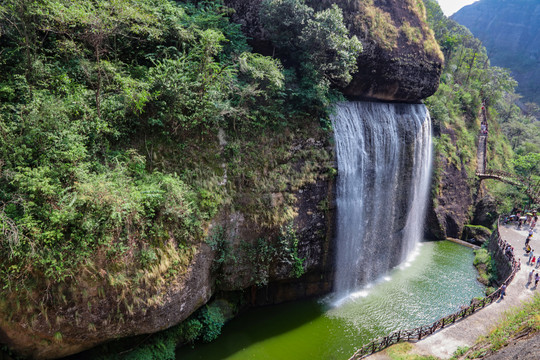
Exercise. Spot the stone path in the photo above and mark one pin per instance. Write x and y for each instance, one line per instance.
(464, 333)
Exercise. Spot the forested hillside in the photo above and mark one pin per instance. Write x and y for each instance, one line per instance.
(510, 32)
(468, 82)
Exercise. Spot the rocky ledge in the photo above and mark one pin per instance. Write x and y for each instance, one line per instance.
(401, 60)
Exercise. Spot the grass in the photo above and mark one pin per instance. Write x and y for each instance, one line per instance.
(519, 322)
(381, 25)
(402, 351)
(412, 33)
(487, 271)
(462, 350)
(478, 228)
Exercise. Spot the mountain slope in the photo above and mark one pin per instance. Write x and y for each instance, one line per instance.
(510, 31)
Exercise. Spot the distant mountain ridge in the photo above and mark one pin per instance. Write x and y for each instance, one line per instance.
(510, 31)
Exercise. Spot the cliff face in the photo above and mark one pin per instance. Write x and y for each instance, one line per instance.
(260, 258)
(448, 214)
(92, 314)
(401, 60)
(271, 277)
(510, 31)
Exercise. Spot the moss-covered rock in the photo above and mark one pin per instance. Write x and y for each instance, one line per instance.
(475, 234)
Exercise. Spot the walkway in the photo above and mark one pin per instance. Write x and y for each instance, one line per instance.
(464, 333)
(530, 187)
(481, 154)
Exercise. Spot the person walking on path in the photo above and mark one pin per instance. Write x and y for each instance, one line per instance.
(530, 277)
(531, 256)
(536, 279)
(503, 291)
(528, 240)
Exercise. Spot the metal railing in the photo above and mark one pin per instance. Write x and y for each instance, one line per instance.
(421, 332)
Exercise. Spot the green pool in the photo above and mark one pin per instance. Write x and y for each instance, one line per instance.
(435, 283)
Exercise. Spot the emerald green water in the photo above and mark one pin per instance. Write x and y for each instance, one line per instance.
(439, 279)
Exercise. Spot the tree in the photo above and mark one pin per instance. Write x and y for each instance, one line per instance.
(191, 88)
(284, 20)
(314, 40)
(326, 39)
(528, 164)
(18, 24)
(96, 23)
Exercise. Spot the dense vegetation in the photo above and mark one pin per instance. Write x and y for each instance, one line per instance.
(468, 82)
(127, 127)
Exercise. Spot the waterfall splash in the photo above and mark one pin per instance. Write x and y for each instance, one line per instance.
(384, 165)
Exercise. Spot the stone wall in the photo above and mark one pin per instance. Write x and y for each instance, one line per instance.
(504, 267)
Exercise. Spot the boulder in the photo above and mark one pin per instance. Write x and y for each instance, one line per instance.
(401, 60)
(64, 330)
(475, 234)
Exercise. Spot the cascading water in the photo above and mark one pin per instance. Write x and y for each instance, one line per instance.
(384, 163)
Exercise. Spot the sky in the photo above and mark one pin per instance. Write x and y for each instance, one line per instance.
(449, 7)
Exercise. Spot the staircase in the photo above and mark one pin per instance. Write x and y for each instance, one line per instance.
(531, 189)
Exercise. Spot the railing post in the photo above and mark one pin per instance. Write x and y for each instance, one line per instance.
(386, 341)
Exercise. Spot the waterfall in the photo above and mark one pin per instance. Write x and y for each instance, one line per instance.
(384, 163)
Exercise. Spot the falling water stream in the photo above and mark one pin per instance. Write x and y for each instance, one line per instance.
(384, 161)
(386, 278)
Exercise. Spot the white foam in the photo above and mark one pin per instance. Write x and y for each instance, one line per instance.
(368, 288)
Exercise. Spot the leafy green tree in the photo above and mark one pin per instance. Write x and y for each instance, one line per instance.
(191, 89)
(258, 97)
(97, 23)
(285, 21)
(527, 165)
(326, 43)
(317, 43)
(18, 25)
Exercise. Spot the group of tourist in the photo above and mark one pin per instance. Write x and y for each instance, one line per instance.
(536, 278)
(509, 251)
(484, 128)
(529, 219)
(533, 261)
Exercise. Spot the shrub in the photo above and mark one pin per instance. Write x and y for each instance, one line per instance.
(212, 321)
